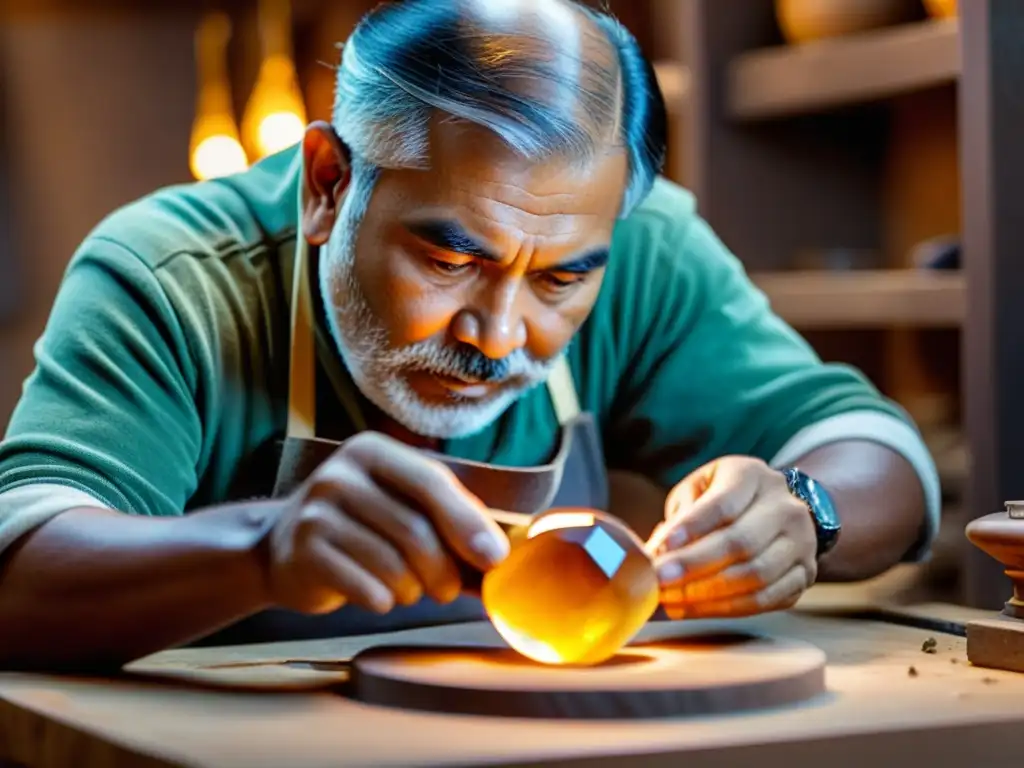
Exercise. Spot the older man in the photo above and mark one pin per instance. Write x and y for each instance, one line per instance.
(474, 258)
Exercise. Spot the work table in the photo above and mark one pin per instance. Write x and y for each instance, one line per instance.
(888, 701)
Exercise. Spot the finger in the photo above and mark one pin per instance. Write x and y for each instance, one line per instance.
(375, 555)
(729, 493)
(740, 542)
(343, 574)
(741, 579)
(408, 531)
(779, 595)
(458, 515)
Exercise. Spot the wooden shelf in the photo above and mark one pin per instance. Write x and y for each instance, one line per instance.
(674, 81)
(865, 299)
(801, 79)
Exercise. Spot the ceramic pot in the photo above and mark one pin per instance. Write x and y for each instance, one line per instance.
(941, 9)
(1001, 536)
(803, 21)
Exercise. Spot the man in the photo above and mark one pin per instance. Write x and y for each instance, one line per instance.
(481, 218)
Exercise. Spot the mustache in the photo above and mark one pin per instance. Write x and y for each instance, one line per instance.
(471, 363)
(464, 361)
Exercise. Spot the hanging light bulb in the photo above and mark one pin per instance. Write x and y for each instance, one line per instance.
(214, 148)
(275, 116)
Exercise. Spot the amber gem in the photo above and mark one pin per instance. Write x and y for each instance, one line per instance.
(575, 589)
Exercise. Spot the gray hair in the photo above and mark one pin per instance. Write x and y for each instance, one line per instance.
(543, 93)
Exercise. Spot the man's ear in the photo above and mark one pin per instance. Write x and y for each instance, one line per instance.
(327, 172)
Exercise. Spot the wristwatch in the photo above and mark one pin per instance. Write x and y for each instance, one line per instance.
(819, 503)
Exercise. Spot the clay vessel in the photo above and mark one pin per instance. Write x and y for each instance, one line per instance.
(804, 21)
(1001, 536)
(941, 9)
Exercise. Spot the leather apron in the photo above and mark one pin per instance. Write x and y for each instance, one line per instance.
(574, 476)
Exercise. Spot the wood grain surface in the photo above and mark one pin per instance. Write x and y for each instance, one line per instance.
(887, 698)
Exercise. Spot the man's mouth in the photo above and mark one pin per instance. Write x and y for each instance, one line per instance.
(470, 389)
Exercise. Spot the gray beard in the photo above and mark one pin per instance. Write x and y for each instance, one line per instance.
(379, 370)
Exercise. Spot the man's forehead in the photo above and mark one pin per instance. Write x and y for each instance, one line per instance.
(471, 166)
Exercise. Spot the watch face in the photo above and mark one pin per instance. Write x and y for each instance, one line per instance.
(821, 505)
(823, 510)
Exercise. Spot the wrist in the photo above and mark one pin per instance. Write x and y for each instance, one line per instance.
(238, 532)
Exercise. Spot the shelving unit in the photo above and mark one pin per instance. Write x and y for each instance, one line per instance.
(823, 300)
(674, 81)
(879, 141)
(787, 80)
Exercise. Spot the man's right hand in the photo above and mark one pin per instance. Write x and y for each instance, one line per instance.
(378, 524)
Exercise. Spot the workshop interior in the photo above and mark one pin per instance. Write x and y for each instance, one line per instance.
(832, 171)
(862, 158)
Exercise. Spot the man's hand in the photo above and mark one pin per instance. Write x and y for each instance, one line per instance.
(734, 542)
(378, 524)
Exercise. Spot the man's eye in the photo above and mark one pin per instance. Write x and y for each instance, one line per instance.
(561, 280)
(450, 268)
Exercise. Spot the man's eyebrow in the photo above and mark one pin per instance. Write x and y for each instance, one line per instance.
(450, 236)
(588, 262)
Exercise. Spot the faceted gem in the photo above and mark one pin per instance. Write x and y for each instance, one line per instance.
(574, 590)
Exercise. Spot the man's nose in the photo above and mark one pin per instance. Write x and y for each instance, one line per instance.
(495, 324)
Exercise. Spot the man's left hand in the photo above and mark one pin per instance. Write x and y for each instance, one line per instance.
(735, 542)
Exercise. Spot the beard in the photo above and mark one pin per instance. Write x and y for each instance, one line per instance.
(381, 370)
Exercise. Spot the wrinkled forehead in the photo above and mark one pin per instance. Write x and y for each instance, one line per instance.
(477, 179)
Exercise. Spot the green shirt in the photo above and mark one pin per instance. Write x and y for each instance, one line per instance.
(164, 362)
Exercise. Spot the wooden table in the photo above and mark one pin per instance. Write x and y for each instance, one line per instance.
(889, 704)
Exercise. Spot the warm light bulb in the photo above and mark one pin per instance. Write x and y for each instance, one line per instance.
(574, 590)
(214, 147)
(279, 130)
(275, 116)
(217, 156)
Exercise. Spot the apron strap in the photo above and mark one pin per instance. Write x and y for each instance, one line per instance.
(302, 363)
(562, 389)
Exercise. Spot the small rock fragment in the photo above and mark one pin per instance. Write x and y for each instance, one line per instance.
(912, 671)
(989, 680)
(929, 645)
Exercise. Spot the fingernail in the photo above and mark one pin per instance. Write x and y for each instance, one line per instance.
(677, 538)
(670, 572)
(449, 593)
(382, 603)
(412, 592)
(490, 547)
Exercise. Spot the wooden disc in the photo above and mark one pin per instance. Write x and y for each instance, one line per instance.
(697, 676)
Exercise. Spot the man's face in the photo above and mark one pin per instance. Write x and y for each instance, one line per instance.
(461, 284)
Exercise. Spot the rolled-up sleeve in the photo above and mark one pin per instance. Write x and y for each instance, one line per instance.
(108, 416)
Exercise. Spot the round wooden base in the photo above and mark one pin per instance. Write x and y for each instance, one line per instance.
(698, 676)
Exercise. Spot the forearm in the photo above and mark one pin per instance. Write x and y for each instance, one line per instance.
(880, 502)
(93, 588)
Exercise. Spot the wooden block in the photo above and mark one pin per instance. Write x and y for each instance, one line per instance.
(997, 643)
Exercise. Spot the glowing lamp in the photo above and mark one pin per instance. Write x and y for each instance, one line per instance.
(575, 589)
(275, 115)
(214, 146)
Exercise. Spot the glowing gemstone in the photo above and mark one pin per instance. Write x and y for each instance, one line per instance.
(574, 590)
